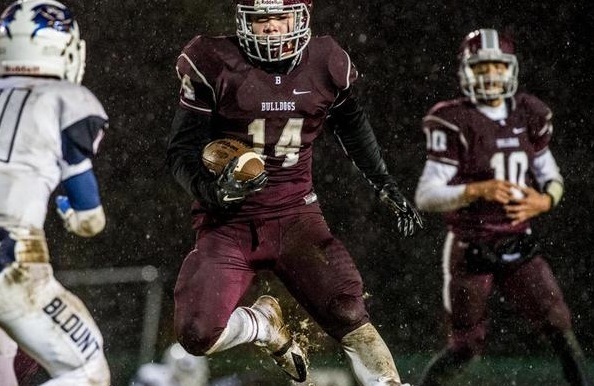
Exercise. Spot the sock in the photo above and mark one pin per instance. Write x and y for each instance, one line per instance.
(369, 357)
(244, 326)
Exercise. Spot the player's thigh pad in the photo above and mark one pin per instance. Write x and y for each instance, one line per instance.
(213, 278)
(320, 273)
(50, 323)
(536, 295)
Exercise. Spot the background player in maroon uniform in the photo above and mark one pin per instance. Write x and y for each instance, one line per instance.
(489, 170)
(273, 86)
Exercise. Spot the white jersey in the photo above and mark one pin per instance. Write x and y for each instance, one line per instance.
(154, 374)
(157, 374)
(34, 112)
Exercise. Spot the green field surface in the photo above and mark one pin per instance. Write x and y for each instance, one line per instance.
(488, 371)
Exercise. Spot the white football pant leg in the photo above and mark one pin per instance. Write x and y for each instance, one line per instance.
(8, 350)
(52, 325)
(370, 358)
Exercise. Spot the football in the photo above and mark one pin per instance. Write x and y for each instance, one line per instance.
(218, 153)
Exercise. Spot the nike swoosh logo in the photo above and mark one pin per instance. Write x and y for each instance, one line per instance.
(295, 92)
(518, 130)
(226, 198)
(511, 256)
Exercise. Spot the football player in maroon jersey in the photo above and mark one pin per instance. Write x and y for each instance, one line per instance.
(274, 87)
(489, 170)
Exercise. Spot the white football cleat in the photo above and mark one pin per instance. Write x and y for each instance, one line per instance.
(280, 345)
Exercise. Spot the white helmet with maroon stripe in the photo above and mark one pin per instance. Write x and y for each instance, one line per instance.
(273, 48)
(487, 45)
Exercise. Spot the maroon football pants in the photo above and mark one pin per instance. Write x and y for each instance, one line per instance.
(314, 266)
(530, 288)
(26, 368)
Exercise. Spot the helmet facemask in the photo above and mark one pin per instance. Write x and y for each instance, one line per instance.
(41, 38)
(273, 48)
(487, 87)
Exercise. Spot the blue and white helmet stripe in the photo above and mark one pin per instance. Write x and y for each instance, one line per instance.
(53, 16)
(41, 38)
(8, 17)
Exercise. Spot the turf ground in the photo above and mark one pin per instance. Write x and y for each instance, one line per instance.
(489, 371)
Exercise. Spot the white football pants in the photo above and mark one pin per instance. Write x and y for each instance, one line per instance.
(52, 325)
(8, 350)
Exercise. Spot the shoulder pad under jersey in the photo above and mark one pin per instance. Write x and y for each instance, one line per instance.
(203, 58)
(446, 114)
(334, 59)
(77, 103)
(199, 65)
(83, 118)
(538, 119)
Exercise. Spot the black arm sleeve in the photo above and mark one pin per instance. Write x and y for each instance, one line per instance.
(355, 134)
(190, 133)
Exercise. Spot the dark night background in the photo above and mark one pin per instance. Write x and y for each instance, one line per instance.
(406, 54)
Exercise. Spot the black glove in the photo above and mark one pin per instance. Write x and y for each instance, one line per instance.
(408, 217)
(229, 191)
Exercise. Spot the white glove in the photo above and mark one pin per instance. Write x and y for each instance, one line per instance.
(84, 223)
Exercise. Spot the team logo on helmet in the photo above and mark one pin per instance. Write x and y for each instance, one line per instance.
(51, 16)
(7, 17)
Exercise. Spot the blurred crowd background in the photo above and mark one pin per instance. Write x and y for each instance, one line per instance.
(406, 55)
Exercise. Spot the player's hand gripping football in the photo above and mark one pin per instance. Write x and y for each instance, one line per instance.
(231, 191)
(407, 215)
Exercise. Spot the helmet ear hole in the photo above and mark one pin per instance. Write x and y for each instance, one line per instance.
(41, 38)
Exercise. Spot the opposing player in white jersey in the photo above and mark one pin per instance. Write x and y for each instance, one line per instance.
(50, 128)
(179, 368)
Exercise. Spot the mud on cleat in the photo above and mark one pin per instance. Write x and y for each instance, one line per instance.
(280, 345)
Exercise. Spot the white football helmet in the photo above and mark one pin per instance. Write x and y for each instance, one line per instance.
(487, 45)
(187, 369)
(273, 48)
(41, 38)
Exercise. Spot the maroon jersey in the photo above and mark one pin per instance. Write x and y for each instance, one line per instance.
(459, 134)
(280, 115)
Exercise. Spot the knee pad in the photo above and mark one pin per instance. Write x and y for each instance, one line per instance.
(346, 313)
(346, 309)
(194, 339)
